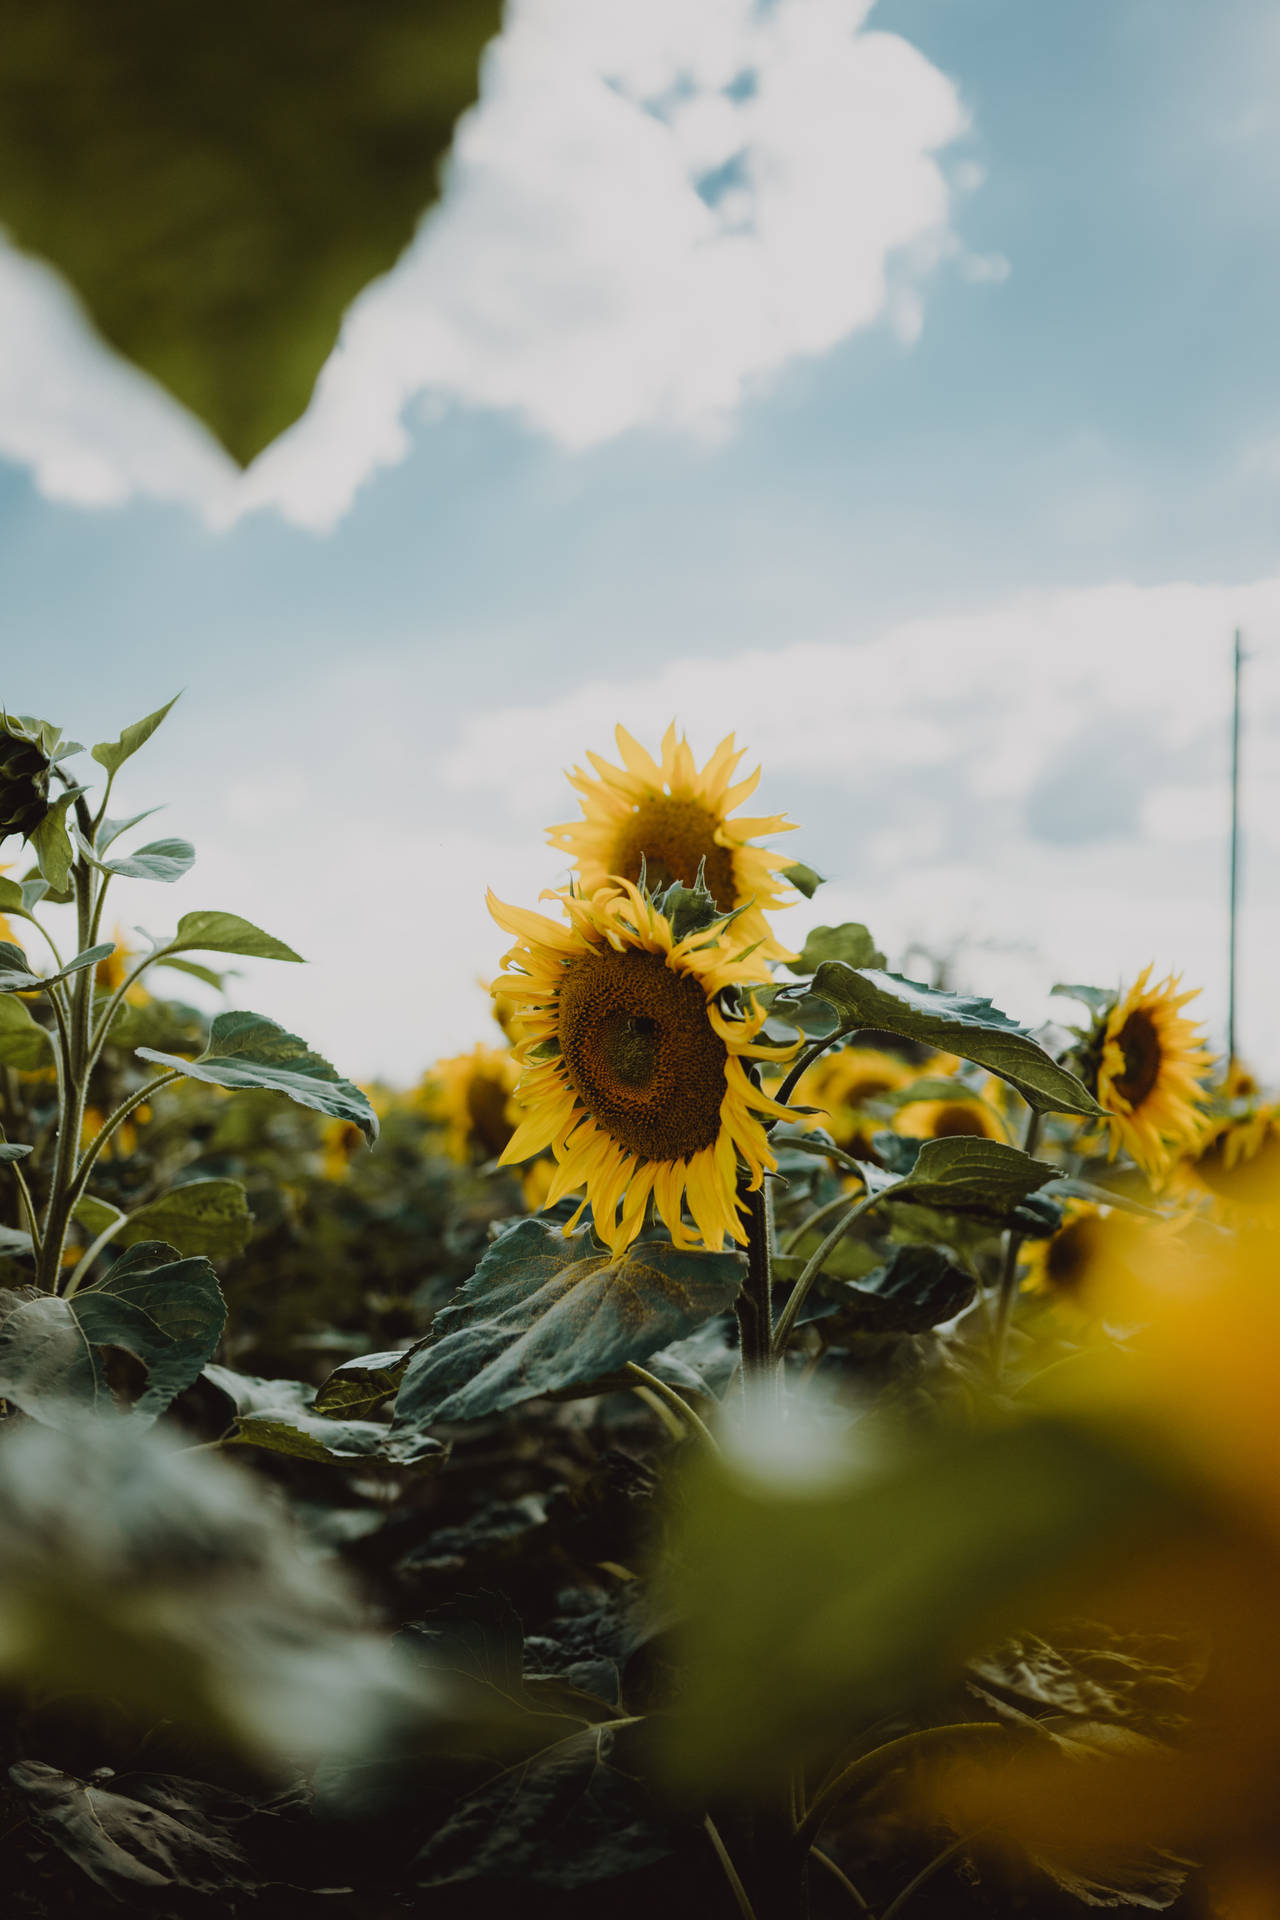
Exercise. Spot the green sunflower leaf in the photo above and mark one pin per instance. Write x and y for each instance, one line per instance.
(12, 1150)
(851, 943)
(954, 1023)
(964, 1174)
(165, 860)
(544, 1311)
(361, 1386)
(51, 843)
(16, 976)
(167, 1312)
(112, 754)
(226, 179)
(95, 1215)
(804, 879)
(248, 1050)
(918, 1288)
(209, 1217)
(24, 1043)
(212, 932)
(47, 1363)
(880, 1577)
(281, 1416)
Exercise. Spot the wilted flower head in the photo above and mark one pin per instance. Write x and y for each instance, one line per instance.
(27, 751)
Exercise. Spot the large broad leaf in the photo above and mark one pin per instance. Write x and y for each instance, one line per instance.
(544, 1311)
(954, 1023)
(51, 842)
(112, 754)
(248, 1050)
(966, 1174)
(280, 1416)
(158, 1833)
(47, 1364)
(167, 1312)
(818, 1606)
(165, 860)
(361, 1386)
(572, 1816)
(211, 1217)
(917, 1288)
(156, 1578)
(212, 932)
(850, 943)
(226, 179)
(16, 975)
(24, 1043)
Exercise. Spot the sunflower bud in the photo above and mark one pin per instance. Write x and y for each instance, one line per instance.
(27, 750)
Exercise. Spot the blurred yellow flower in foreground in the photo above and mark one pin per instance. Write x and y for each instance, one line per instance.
(1195, 1388)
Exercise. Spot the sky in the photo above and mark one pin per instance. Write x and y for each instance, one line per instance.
(892, 386)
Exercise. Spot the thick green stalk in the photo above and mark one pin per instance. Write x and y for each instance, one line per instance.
(1009, 1270)
(73, 1080)
(755, 1306)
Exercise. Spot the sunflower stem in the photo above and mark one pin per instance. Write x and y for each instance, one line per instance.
(755, 1303)
(1009, 1271)
(806, 1060)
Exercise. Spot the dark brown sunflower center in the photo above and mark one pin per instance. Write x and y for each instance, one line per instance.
(1139, 1044)
(641, 1054)
(869, 1087)
(674, 836)
(1070, 1253)
(487, 1113)
(952, 1121)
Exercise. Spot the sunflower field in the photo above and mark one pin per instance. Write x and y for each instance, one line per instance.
(761, 1435)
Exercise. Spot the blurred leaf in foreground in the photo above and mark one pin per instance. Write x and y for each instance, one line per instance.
(166, 1581)
(218, 183)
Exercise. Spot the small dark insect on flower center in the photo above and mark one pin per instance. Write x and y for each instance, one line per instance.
(1139, 1045)
(675, 836)
(640, 1052)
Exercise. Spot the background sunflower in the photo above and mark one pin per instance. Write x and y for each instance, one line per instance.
(1150, 1073)
(675, 819)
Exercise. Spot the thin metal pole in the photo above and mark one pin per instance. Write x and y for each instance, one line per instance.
(1234, 908)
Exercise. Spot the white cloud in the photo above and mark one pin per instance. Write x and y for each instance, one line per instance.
(653, 209)
(1040, 784)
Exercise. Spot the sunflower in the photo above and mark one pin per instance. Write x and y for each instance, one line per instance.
(841, 1084)
(945, 1119)
(1061, 1264)
(634, 1070)
(676, 819)
(1236, 1173)
(1149, 1073)
(472, 1096)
